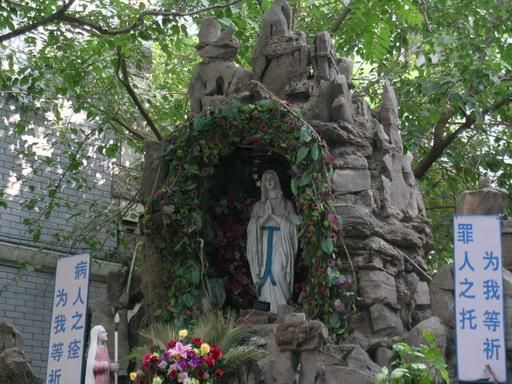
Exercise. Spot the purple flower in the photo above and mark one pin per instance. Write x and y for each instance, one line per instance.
(331, 263)
(196, 362)
(183, 364)
(191, 354)
(331, 158)
(341, 281)
(171, 139)
(339, 306)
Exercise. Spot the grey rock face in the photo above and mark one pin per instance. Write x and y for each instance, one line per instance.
(422, 295)
(377, 287)
(384, 356)
(483, 201)
(385, 321)
(348, 375)
(432, 325)
(442, 296)
(351, 180)
(14, 366)
(507, 244)
(388, 116)
(217, 76)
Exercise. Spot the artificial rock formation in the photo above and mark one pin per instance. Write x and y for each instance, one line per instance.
(217, 76)
(14, 366)
(385, 229)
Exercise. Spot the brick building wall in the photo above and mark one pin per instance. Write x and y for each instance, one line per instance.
(23, 178)
(26, 299)
(26, 294)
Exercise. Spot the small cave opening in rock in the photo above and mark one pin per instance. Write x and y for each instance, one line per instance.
(233, 190)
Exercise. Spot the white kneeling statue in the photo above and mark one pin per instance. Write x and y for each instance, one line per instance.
(272, 243)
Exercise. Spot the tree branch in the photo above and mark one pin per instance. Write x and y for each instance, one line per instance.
(62, 16)
(437, 149)
(126, 82)
(341, 18)
(132, 131)
(440, 125)
(44, 21)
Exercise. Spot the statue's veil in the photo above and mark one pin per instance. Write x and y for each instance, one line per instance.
(264, 190)
(91, 354)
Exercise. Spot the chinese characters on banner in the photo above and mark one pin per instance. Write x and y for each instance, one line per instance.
(66, 349)
(480, 322)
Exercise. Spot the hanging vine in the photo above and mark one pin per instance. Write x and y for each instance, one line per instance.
(193, 152)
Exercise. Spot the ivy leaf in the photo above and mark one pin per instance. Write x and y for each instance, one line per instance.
(189, 185)
(334, 320)
(305, 135)
(233, 109)
(302, 153)
(188, 299)
(327, 246)
(195, 277)
(306, 178)
(314, 152)
(293, 186)
(200, 122)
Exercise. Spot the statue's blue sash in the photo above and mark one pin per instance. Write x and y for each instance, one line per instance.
(267, 274)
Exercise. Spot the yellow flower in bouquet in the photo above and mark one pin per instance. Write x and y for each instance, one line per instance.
(205, 348)
(183, 333)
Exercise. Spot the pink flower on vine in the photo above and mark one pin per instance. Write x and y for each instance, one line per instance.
(160, 195)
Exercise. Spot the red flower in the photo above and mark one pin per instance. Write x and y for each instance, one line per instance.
(173, 374)
(219, 372)
(254, 140)
(210, 360)
(197, 341)
(171, 344)
(215, 351)
(154, 358)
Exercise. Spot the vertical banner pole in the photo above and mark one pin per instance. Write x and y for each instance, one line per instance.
(116, 345)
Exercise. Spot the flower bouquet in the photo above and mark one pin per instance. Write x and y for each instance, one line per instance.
(185, 360)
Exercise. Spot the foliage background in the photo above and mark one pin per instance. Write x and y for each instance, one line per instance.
(448, 60)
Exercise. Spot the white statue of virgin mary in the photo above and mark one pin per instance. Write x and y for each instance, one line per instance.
(99, 368)
(272, 243)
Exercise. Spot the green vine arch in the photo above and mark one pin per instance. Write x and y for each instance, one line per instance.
(193, 152)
